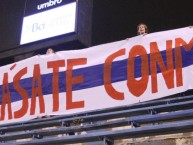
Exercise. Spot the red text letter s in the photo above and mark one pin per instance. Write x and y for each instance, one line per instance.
(107, 76)
(70, 80)
(16, 82)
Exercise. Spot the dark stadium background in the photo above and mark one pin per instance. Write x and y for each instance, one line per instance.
(111, 20)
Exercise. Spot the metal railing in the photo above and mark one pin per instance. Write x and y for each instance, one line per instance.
(158, 117)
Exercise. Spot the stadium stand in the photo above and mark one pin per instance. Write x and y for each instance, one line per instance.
(168, 115)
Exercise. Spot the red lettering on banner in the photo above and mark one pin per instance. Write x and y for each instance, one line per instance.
(55, 86)
(137, 87)
(37, 91)
(107, 76)
(6, 98)
(70, 80)
(178, 58)
(23, 93)
(167, 71)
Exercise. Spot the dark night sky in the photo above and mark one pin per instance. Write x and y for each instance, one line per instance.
(11, 13)
(116, 20)
(112, 20)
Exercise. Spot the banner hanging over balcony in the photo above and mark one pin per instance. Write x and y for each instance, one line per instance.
(120, 73)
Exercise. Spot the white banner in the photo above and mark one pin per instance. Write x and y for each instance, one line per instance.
(125, 72)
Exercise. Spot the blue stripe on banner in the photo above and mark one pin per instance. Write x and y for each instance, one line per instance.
(93, 76)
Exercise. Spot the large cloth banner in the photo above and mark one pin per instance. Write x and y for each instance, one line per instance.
(120, 73)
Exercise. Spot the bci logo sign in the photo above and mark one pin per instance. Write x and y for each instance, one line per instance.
(48, 4)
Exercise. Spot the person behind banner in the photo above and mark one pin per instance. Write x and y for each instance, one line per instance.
(50, 51)
(142, 29)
